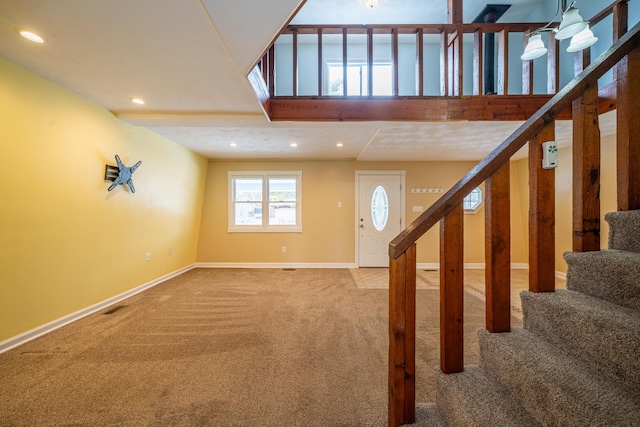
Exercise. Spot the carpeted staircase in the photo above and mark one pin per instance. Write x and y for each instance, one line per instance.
(575, 362)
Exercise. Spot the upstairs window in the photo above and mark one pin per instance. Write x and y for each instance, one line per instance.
(358, 79)
(265, 201)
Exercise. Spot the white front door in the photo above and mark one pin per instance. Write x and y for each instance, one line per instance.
(380, 215)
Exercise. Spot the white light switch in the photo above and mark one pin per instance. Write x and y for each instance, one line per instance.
(418, 209)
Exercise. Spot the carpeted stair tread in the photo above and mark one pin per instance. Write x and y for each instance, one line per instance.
(602, 334)
(624, 230)
(427, 415)
(611, 275)
(553, 386)
(473, 398)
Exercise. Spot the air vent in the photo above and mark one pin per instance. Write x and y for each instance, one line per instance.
(288, 269)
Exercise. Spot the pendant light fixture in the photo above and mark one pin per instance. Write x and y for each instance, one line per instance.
(371, 3)
(572, 25)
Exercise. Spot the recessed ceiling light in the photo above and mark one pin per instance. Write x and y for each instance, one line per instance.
(294, 144)
(31, 36)
(233, 144)
(137, 101)
(339, 144)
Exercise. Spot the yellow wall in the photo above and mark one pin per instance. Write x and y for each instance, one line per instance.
(65, 242)
(328, 234)
(564, 196)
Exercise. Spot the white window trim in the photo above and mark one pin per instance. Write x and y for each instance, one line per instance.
(265, 227)
(480, 204)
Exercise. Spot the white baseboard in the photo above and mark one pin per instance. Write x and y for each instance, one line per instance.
(58, 323)
(272, 265)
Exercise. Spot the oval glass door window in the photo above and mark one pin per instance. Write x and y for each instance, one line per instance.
(379, 208)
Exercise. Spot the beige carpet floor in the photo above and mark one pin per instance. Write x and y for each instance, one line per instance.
(225, 347)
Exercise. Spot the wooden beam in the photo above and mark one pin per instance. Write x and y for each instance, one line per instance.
(541, 215)
(512, 107)
(402, 310)
(498, 251)
(586, 172)
(451, 291)
(454, 11)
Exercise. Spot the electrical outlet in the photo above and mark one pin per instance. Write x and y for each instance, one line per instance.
(148, 256)
(284, 249)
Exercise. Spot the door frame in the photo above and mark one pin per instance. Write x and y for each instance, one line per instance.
(403, 178)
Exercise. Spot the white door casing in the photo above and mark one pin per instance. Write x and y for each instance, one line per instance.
(377, 222)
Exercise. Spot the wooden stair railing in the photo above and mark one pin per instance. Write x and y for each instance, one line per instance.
(299, 97)
(581, 92)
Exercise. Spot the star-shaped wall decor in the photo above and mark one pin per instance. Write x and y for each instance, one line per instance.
(124, 175)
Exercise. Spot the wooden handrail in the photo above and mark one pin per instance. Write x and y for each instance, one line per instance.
(624, 55)
(513, 143)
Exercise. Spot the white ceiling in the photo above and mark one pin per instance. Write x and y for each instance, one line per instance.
(188, 60)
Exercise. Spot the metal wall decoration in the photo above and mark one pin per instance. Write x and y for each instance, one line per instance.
(120, 174)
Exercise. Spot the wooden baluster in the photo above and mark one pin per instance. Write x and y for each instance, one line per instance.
(503, 62)
(627, 75)
(553, 62)
(295, 62)
(498, 251)
(477, 62)
(320, 65)
(370, 61)
(420, 62)
(457, 61)
(345, 63)
(444, 63)
(586, 165)
(394, 61)
(402, 338)
(451, 291)
(527, 68)
(541, 216)
(271, 68)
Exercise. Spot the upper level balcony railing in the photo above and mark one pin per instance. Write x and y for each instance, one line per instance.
(418, 72)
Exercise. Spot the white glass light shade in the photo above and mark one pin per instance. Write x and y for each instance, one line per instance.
(535, 48)
(582, 40)
(572, 23)
(371, 3)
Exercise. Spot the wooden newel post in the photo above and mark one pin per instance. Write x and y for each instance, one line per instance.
(402, 338)
(627, 76)
(451, 291)
(498, 251)
(542, 208)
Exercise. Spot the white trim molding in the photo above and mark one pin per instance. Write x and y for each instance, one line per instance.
(70, 318)
(272, 265)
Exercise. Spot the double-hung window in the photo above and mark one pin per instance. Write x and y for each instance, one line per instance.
(265, 201)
